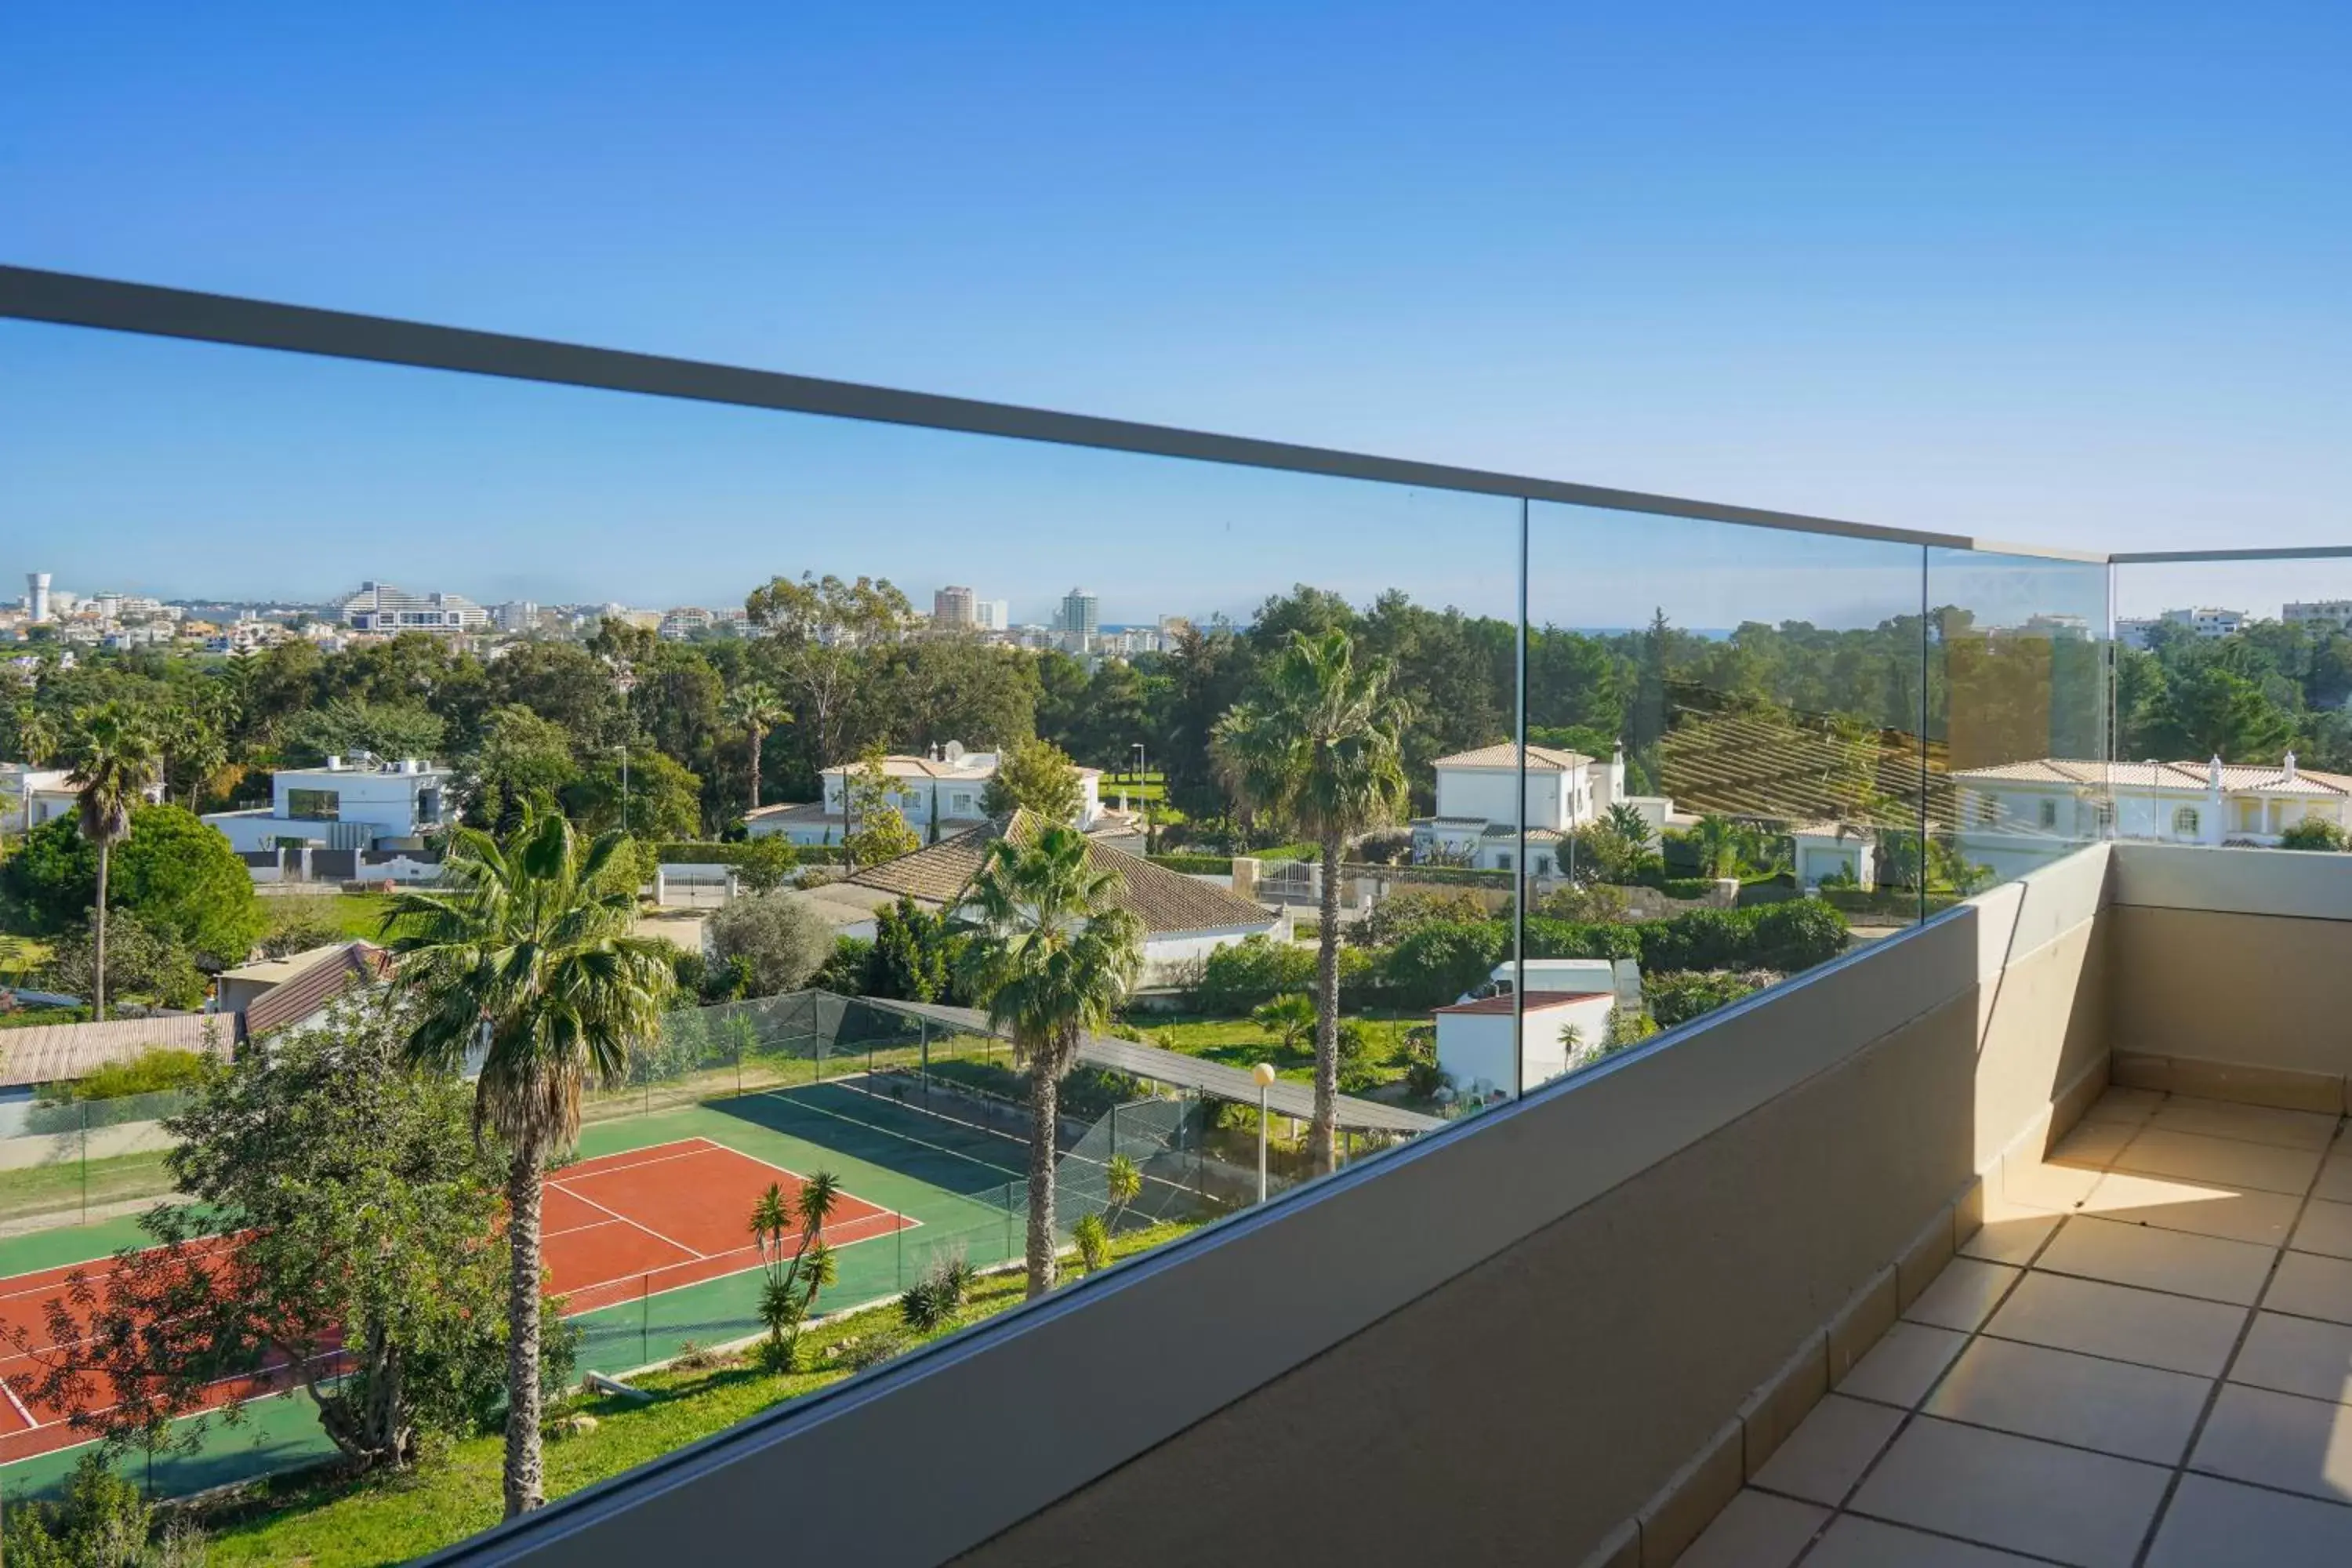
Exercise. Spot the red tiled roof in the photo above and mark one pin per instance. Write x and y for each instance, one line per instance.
(1536, 1001)
(291, 1001)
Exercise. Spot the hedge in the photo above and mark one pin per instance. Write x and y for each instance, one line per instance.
(689, 852)
(1197, 864)
(1453, 876)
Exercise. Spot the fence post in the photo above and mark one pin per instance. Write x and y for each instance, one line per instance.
(645, 1310)
(85, 1161)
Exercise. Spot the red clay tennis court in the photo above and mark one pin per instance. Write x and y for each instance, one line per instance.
(616, 1227)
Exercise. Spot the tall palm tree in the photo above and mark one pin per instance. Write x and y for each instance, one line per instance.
(113, 758)
(755, 709)
(1053, 957)
(529, 958)
(1317, 747)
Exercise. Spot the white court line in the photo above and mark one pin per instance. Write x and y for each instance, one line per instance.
(692, 1252)
(18, 1404)
(596, 1166)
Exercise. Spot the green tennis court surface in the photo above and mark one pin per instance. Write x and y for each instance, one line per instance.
(962, 1182)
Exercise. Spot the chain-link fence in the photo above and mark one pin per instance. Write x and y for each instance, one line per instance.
(68, 1160)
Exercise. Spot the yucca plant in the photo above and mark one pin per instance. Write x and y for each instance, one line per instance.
(790, 1234)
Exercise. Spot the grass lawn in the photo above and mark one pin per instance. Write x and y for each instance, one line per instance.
(329, 1522)
(60, 1187)
(1238, 1043)
(361, 914)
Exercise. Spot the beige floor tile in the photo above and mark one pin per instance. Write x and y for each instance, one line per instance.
(2192, 1206)
(2013, 1492)
(2012, 1239)
(2296, 1356)
(2168, 1331)
(2278, 1440)
(2124, 1105)
(1963, 1295)
(2093, 1145)
(2312, 1286)
(2335, 1182)
(1904, 1364)
(2137, 1411)
(2254, 1123)
(2326, 1228)
(2214, 1524)
(1829, 1450)
(2220, 1162)
(2033, 1185)
(2158, 1260)
(1755, 1530)
(1857, 1543)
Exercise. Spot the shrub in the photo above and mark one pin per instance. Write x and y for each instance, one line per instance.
(151, 1071)
(1675, 999)
(914, 954)
(142, 960)
(843, 971)
(1197, 864)
(100, 1522)
(1093, 1235)
(2312, 833)
(1241, 975)
(872, 1349)
(781, 940)
(938, 1294)
(1441, 960)
(1401, 914)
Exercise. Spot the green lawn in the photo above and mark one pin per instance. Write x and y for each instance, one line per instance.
(361, 914)
(335, 1523)
(1238, 1043)
(62, 1186)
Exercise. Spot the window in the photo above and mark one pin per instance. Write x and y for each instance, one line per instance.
(314, 805)
(1502, 862)
(2184, 821)
(1987, 811)
(2049, 814)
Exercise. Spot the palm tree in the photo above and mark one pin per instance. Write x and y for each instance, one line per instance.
(529, 958)
(1290, 1017)
(755, 709)
(113, 757)
(1317, 747)
(789, 1233)
(1717, 843)
(1052, 957)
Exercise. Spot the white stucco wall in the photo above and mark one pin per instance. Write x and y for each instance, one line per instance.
(1474, 1048)
(1488, 793)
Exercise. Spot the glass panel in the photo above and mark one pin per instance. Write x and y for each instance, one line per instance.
(1735, 711)
(2018, 716)
(804, 662)
(2233, 683)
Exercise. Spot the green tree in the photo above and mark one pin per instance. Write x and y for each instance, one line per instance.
(343, 727)
(178, 873)
(101, 1521)
(1037, 775)
(1630, 825)
(528, 957)
(795, 1261)
(876, 831)
(766, 861)
(658, 800)
(114, 766)
(364, 1276)
(1051, 959)
(817, 632)
(913, 954)
(1317, 750)
(755, 709)
(142, 960)
(777, 942)
(522, 763)
(2213, 711)
(1289, 1018)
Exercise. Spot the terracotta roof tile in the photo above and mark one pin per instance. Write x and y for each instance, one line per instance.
(291, 1001)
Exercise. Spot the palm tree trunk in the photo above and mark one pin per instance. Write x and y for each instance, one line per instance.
(1323, 1132)
(1044, 1124)
(97, 957)
(525, 1480)
(755, 767)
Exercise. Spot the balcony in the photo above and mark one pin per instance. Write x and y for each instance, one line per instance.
(1988, 1211)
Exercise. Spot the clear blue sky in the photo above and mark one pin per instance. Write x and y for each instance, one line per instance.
(2070, 273)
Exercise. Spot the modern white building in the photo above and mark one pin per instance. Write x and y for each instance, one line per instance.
(352, 803)
(382, 609)
(2018, 816)
(1081, 613)
(516, 616)
(1475, 1045)
(939, 794)
(2204, 621)
(30, 796)
(993, 615)
(1476, 822)
(1833, 852)
(683, 621)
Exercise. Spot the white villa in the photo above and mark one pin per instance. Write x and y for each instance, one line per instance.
(30, 796)
(1477, 818)
(2018, 816)
(937, 794)
(352, 803)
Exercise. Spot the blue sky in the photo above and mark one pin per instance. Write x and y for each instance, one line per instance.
(2069, 273)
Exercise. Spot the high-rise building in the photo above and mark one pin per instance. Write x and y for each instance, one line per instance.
(37, 596)
(382, 607)
(1080, 613)
(993, 615)
(952, 608)
(2321, 615)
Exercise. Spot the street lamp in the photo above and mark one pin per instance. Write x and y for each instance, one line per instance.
(1263, 1074)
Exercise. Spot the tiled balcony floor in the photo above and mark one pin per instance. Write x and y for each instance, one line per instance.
(2143, 1358)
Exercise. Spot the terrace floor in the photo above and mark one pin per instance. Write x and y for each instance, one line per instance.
(2144, 1357)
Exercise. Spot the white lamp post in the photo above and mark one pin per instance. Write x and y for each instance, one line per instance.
(1264, 1075)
